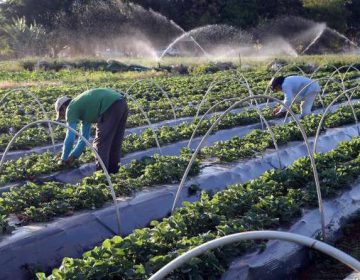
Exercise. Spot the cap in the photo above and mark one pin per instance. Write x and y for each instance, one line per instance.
(58, 104)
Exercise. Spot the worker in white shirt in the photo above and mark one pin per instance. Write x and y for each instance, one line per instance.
(300, 88)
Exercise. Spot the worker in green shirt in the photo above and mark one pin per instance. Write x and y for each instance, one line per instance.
(105, 107)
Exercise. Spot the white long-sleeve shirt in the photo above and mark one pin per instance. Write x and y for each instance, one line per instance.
(293, 85)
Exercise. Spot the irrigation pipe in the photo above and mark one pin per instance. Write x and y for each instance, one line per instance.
(256, 235)
(87, 144)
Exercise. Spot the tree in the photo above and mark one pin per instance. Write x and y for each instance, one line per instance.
(23, 39)
(353, 22)
(333, 12)
(243, 13)
(41, 11)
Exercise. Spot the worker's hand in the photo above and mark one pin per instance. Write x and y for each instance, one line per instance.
(70, 160)
(276, 111)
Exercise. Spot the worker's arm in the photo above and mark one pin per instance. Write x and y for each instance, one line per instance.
(85, 132)
(287, 89)
(69, 141)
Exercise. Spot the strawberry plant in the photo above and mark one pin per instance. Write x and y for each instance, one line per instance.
(263, 203)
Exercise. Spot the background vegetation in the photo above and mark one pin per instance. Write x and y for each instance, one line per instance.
(37, 27)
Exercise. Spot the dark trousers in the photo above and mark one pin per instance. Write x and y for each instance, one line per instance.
(109, 136)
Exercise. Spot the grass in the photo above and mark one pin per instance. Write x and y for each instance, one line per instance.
(15, 65)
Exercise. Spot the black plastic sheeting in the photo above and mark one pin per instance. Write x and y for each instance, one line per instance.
(43, 246)
(280, 259)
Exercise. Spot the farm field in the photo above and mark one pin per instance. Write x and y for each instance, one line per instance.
(252, 172)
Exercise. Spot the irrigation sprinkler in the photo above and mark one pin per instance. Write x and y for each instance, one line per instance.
(258, 235)
(178, 39)
(87, 144)
(148, 120)
(159, 88)
(24, 91)
(327, 110)
(301, 128)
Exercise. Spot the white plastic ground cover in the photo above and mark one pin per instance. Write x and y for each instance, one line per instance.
(44, 245)
(13, 155)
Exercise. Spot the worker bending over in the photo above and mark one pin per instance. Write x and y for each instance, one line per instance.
(300, 88)
(105, 107)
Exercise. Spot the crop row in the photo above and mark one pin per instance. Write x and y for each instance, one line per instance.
(180, 89)
(273, 199)
(259, 140)
(31, 166)
(39, 202)
(38, 136)
(16, 114)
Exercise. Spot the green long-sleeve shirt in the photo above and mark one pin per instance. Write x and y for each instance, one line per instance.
(87, 108)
